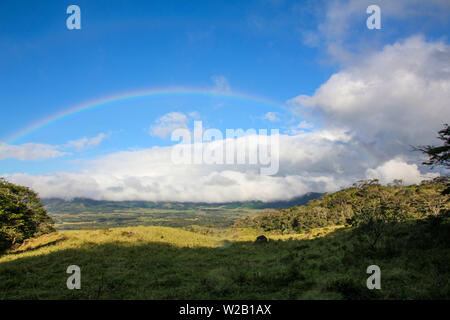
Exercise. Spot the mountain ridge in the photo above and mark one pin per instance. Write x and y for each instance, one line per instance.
(58, 204)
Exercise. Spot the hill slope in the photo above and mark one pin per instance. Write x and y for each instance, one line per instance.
(168, 263)
(393, 203)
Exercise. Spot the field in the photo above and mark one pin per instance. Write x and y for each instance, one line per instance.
(150, 262)
(215, 216)
(90, 214)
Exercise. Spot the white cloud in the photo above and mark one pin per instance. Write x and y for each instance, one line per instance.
(164, 125)
(39, 151)
(323, 160)
(272, 116)
(221, 83)
(398, 169)
(300, 127)
(87, 143)
(150, 174)
(305, 125)
(342, 23)
(393, 99)
(29, 151)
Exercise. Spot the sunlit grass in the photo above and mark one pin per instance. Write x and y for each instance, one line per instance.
(172, 263)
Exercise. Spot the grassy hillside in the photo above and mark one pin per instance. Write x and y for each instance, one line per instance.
(318, 251)
(168, 263)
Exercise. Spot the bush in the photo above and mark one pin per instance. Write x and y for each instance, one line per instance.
(22, 215)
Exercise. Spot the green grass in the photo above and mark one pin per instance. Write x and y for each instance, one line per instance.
(169, 263)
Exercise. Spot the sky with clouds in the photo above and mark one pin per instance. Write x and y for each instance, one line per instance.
(348, 102)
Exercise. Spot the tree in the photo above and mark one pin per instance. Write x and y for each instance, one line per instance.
(439, 155)
(376, 210)
(22, 215)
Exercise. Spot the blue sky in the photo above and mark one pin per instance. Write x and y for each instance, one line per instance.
(274, 51)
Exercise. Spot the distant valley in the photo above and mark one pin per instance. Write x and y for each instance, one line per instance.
(81, 213)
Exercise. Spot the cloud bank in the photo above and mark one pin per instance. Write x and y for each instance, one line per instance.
(391, 100)
(311, 161)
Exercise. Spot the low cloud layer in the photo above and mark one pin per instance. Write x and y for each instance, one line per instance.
(314, 161)
(400, 170)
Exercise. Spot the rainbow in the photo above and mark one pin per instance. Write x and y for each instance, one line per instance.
(131, 95)
(155, 92)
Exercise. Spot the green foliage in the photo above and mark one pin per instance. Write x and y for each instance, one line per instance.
(22, 215)
(438, 155)
(366, 204)
(380, 210)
